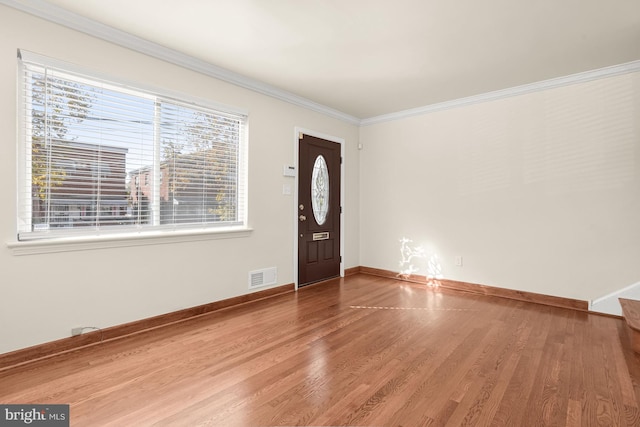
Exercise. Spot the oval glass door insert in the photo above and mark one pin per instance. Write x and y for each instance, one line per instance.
(320, 190)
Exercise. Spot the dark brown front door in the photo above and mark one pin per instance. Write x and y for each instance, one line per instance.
(318, 210)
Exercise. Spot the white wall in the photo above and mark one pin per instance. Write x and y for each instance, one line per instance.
(538, 192)
(43, 296)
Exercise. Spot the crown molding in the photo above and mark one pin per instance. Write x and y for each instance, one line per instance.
(629, 67)
(57, 15)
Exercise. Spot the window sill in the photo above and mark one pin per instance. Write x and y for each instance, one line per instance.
(70, 244)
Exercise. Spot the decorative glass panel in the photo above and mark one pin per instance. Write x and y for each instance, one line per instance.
(320, 190)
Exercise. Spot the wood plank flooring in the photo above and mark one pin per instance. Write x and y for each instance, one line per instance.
(362, 351)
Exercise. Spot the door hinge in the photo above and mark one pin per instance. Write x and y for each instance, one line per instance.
(340, 209)
(340, 159)
(340, 258)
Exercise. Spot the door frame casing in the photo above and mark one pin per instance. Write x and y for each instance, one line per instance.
(297, 131)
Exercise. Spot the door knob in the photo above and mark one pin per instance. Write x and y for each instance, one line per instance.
(302, 218)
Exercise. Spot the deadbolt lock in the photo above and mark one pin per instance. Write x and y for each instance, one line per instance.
(301, 207)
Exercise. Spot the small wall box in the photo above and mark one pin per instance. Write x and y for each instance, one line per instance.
(289, 170)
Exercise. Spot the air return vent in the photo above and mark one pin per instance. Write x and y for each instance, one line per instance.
(264, 277)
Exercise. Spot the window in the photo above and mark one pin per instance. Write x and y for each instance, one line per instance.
(99, 157)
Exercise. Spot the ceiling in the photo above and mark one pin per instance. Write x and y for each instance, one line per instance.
(367, 58)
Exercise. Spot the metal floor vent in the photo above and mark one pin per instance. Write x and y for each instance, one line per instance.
(264, 277)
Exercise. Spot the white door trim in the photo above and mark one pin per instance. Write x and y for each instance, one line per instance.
(297, 131)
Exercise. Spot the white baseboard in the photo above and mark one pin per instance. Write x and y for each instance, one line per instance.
(609, 303)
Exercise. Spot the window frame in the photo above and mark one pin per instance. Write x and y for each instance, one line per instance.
(122, 236)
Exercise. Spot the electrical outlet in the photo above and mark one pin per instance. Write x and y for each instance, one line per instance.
(76, 331)
(458, 261)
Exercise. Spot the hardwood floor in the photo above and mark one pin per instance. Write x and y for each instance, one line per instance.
(357, 351)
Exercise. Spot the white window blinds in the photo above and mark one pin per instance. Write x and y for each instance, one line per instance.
(100, 157)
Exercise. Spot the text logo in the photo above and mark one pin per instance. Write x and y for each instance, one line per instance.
(34, 415)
